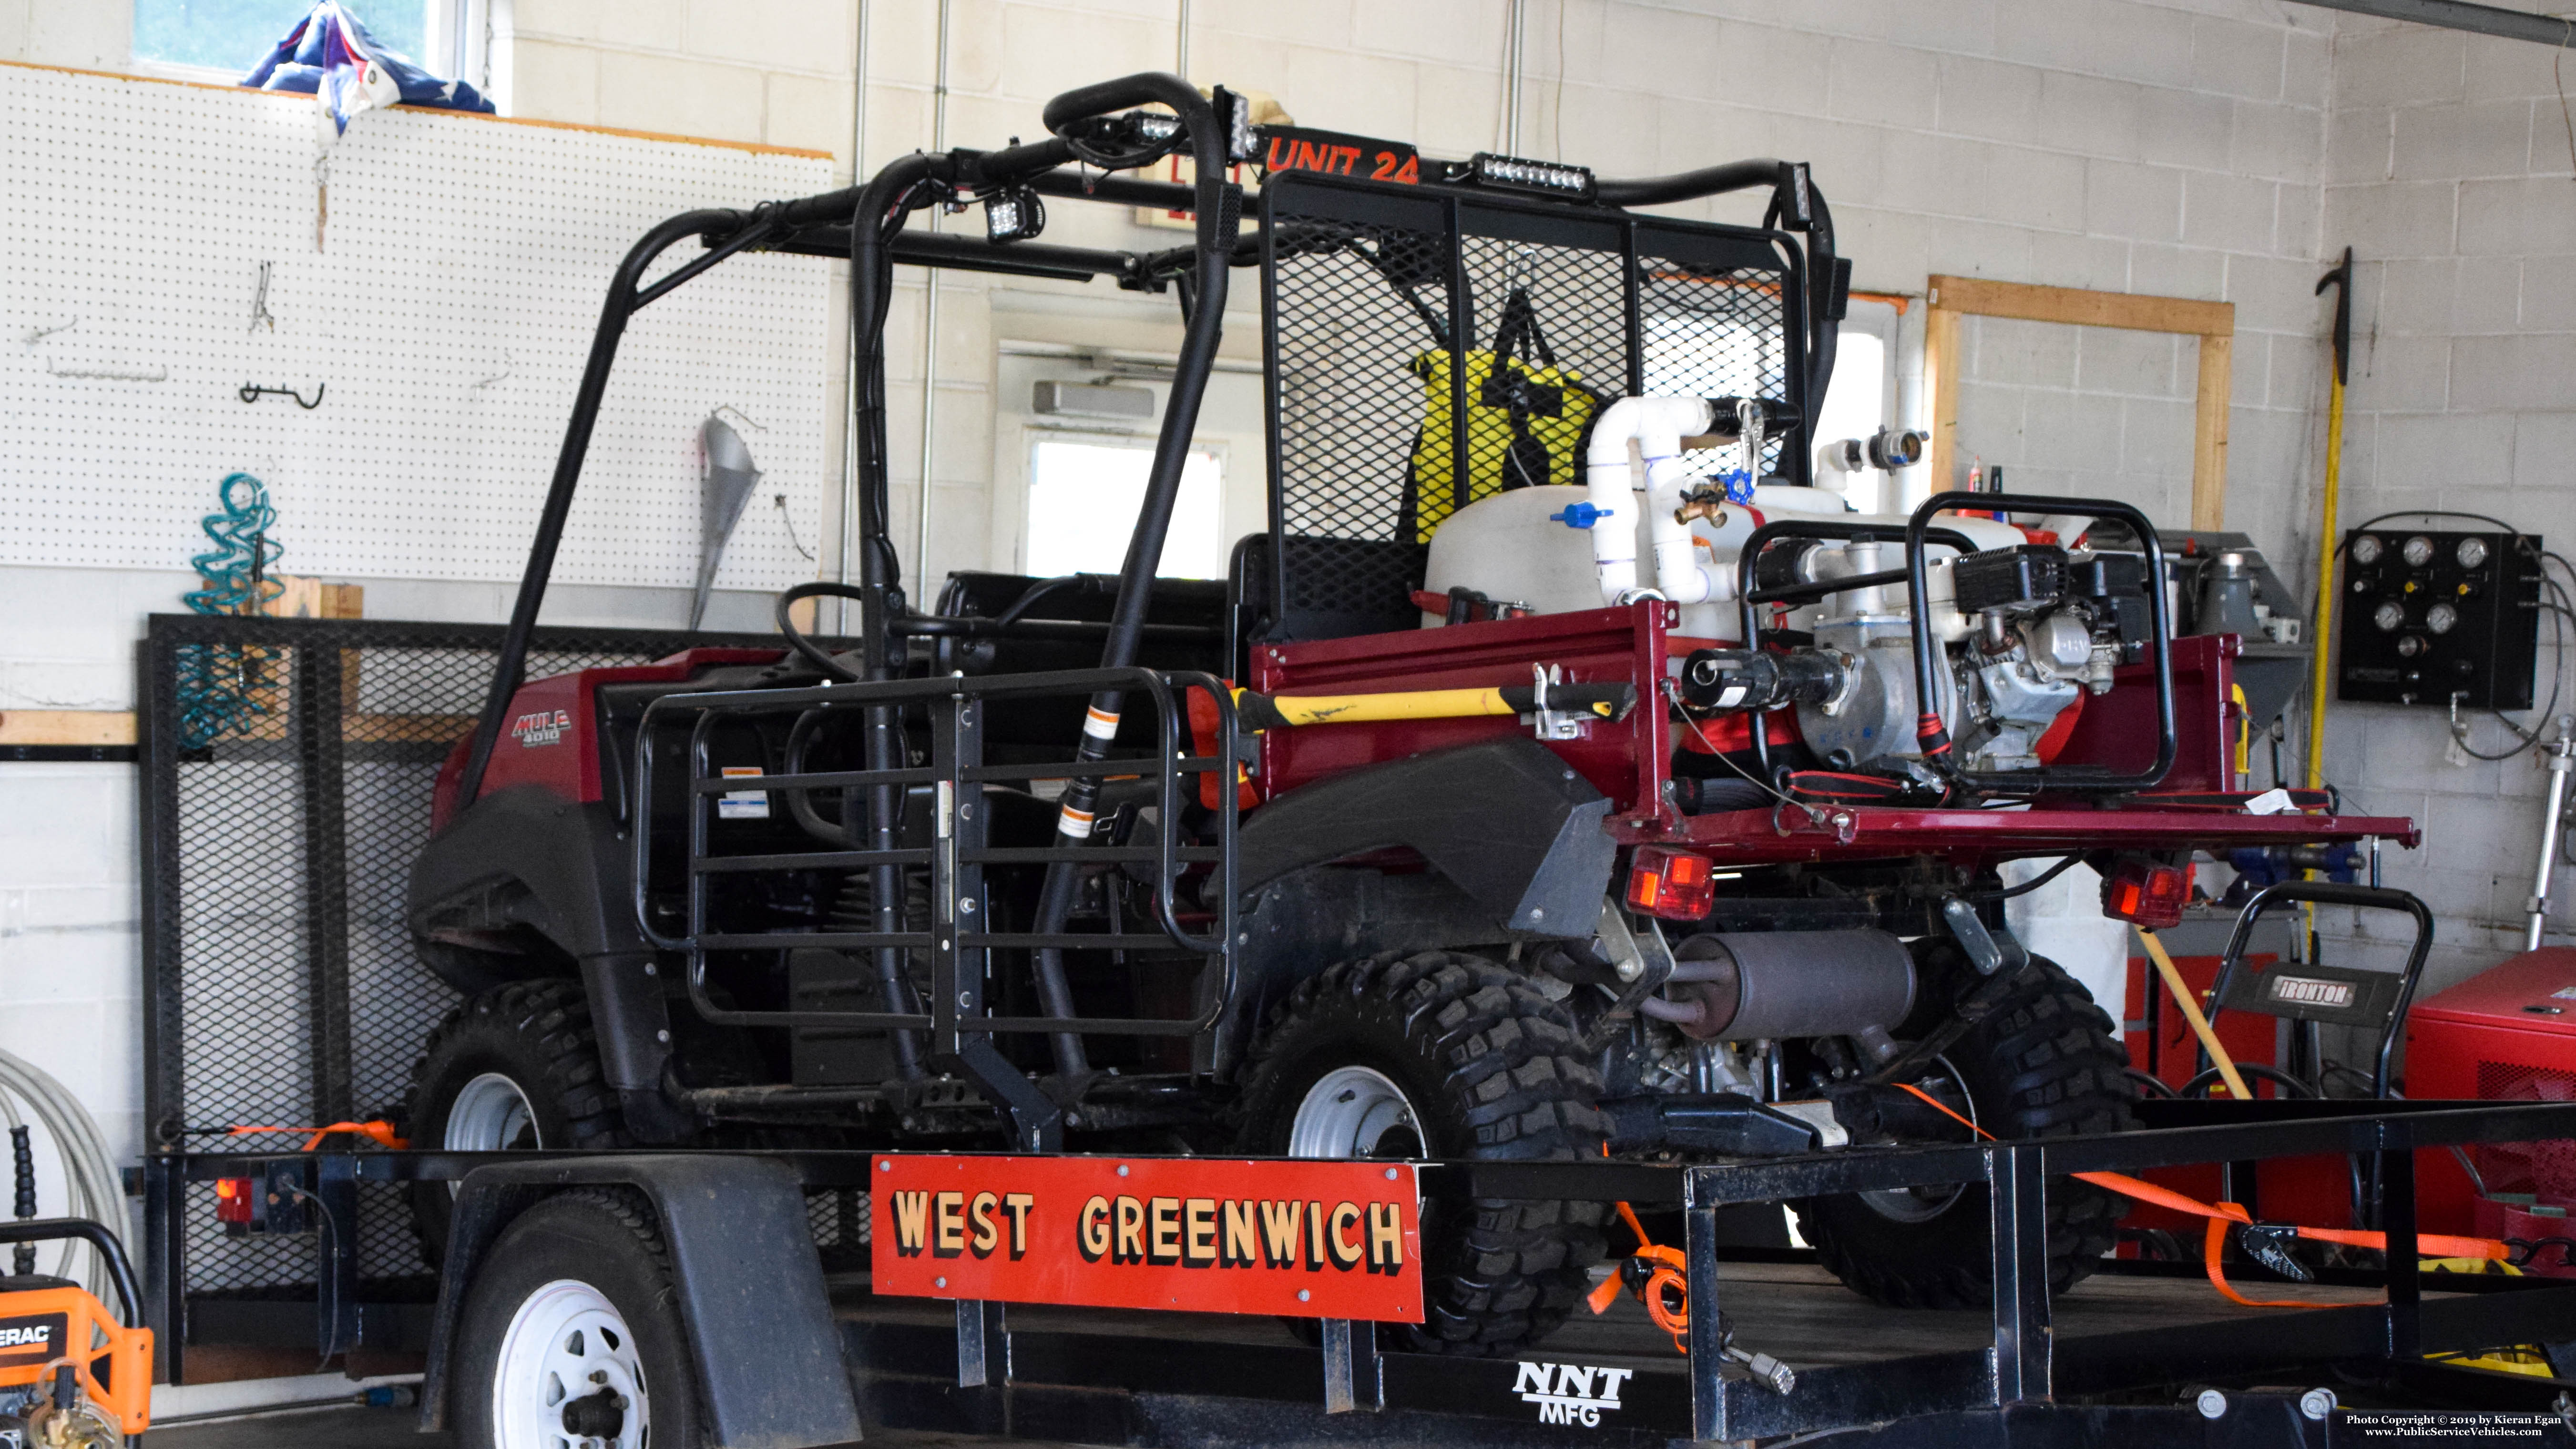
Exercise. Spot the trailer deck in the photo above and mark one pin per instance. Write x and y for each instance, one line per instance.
(1156, 1379)
(2120, 1358)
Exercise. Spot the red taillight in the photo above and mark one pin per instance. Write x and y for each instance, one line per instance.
(2148, 893)
(1674, 884)
(233, 1200)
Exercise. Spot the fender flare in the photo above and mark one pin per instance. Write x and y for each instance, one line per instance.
(528, 857)
(744, 1273)
(1505, 820)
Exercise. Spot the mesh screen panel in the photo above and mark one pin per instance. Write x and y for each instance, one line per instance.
(1389, 319)
(838, 1217)
(282, 985)
(2547, 1168)
(1713, 332)
(1369, 305)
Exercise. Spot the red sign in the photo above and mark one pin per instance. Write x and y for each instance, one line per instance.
(1207, 1235)
(1293, 148)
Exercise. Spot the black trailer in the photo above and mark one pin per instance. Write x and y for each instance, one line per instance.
(784, 1353)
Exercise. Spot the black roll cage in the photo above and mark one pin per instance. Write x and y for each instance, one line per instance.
(828, 225)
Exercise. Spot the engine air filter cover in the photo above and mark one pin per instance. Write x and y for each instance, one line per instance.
(2000, 578)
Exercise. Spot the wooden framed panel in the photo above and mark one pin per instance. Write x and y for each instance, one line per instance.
(2214, 323)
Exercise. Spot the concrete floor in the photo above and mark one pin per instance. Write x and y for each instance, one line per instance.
(335, 1428)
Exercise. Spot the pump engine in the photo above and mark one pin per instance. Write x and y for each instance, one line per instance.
(2027, 625)
(2026, 631)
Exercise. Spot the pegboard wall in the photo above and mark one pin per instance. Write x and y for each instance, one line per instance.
(446, 315)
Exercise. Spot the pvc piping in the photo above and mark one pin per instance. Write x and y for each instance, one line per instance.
(930, 330)
(856, 365)
(1657, 426)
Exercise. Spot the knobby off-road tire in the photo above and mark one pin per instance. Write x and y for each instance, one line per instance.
(1488, 1068)
(535, 1034)
(2044, 1064)
(561, 1272)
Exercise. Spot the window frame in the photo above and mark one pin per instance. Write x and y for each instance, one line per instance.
(470, 41)
(1885, 320)
(1039, 434)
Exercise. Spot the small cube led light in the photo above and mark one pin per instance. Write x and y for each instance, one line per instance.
(1013, 215)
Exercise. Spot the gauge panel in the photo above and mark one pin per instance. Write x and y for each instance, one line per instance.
(2428, 614)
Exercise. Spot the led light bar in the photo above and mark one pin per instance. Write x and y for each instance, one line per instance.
(1547, 178)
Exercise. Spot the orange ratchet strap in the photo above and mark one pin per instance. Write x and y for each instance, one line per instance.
(2222, 1215)
(1651, 1273)
(379, 1132)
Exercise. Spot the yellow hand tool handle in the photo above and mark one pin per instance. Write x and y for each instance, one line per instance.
(2191, 1013)
(1266, 711)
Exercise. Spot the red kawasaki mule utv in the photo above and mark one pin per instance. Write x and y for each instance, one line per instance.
(1562, 774)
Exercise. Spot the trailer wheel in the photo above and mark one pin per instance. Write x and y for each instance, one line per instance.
(2044, 1064)
(570, 1335)
(515, 1067)
(1443, 1054)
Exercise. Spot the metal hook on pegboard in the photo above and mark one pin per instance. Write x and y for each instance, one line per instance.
(259, 312)
(723, 408)
(509, 364)
(39, 334)
(252, 392)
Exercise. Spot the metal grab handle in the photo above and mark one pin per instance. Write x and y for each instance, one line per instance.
(2330, 893)
(1748, 559)
(1171, 772)
(1918, 597)
(120, 1270)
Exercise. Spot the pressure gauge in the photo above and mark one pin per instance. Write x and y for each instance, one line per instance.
(2418, 551)
(2473, 552)
(2440, 618)
(2367, 549)
(2389, 616)
(2410, 646)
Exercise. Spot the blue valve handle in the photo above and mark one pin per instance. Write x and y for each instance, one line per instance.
(1580, 515)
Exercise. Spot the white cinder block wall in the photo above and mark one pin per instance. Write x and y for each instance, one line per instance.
(2450, 172)
(2200, 148)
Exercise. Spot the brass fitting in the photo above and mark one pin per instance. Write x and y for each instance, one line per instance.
(1708, 503)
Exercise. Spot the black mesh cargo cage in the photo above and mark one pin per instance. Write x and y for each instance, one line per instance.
(1385, 310)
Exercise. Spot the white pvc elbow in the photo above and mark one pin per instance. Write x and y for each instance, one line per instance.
(1679, 574)
(1657, 425)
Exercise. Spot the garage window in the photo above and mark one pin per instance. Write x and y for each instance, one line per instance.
(221, 40)
(1084, 497)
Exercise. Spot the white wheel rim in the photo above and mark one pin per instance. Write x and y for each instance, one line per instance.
(566, 1342)
(491, 1114)
(1348, 1113)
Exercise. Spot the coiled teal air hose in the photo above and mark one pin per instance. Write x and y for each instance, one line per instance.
(217, 684)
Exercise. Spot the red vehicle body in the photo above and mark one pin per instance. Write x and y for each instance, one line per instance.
(1629, 760)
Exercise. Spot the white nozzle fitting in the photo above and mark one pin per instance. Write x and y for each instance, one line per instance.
(1657, 426)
